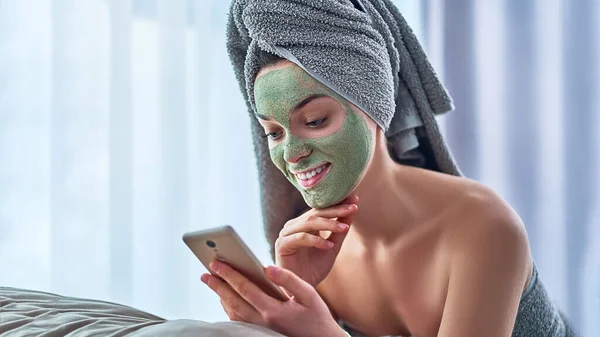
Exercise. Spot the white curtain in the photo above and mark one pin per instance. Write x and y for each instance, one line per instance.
(122, 127)
(525, 77)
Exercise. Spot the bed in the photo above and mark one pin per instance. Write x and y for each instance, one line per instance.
(35, 313)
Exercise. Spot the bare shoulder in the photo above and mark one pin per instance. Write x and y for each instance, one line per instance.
(468, 211)
(478, 210)
(484, 231)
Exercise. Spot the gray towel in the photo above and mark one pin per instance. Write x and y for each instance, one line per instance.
(363, 50)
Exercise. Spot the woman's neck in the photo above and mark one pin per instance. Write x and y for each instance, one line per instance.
(386, 208)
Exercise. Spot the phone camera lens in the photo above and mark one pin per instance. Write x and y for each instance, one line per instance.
(211, 244)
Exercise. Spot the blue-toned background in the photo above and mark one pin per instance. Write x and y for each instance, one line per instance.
(121, 127)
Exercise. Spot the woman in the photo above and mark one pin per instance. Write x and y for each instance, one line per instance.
(394, 241)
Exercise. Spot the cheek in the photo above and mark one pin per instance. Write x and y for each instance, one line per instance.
(351, 144)
(276, 153)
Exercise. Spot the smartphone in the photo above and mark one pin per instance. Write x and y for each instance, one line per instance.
(224, 244)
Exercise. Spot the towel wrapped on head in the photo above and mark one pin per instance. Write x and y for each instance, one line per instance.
(361, 49)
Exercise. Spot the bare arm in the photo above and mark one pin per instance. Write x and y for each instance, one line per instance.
(489, 267)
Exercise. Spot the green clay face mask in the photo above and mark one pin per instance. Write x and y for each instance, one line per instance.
(335, 160)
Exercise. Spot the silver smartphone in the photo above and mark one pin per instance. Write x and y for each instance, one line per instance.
(224, 244)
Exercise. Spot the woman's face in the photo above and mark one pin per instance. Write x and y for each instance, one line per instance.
(320, 143)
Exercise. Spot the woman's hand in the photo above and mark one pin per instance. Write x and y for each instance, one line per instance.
(302, 250)
(304, 314)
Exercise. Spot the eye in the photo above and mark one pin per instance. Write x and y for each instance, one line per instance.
(316, 123)
(273, 135)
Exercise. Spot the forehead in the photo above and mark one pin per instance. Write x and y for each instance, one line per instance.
(279, 87)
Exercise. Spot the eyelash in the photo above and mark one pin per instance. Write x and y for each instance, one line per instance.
(268, 135)
(320, 122)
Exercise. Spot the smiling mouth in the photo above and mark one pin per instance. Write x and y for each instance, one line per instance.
(310, 178)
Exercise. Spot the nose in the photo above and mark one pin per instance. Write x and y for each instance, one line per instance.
(298, 157)
(295, 150)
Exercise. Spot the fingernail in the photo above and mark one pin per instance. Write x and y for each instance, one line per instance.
(273, 271)
(342, 226)
(214, 266)
(204, 278)
(329, 244)
(349, 206)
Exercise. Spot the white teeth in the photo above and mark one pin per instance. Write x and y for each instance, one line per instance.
(308, 175)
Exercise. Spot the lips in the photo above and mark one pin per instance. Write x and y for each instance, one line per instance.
(311, 177)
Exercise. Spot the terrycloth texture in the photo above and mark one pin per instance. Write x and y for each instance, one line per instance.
(366, 52)
(25, 313)
(537, 316)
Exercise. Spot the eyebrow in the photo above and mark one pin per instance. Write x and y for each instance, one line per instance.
(307, 100)
(296, 107)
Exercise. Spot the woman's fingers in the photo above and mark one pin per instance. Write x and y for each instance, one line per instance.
(314, 223)
(230, 313)
(245, 288)
(344, 208)
(302, 291)
(338, 237)
(337, 211)
(321, 219)
(303, 231)
(287, 245)
(235, 306)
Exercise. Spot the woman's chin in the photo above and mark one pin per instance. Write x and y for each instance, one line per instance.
(317, 204)
(320, 201)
